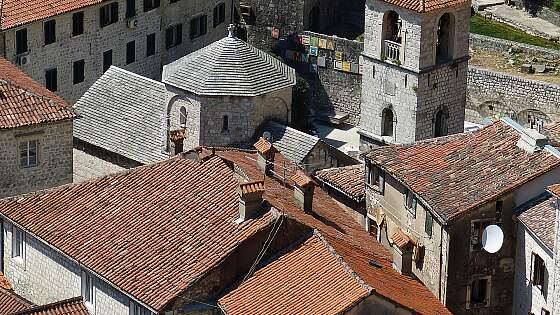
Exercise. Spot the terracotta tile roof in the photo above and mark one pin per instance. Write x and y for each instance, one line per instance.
(348, 179)
(252, 187)
(263, 146)
(25, 102)
(553, 132)
(300, 179)
(348, 238)
(400, 238)
(4, 283)
(555, 189)
(180, 223)
(10, 302)
(19, 12)
(539, 216)
(309, 279)
(425, 5)
(73, 306)
(457, 173)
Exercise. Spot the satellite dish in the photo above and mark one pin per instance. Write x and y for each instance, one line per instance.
(492, 238)
(267, 136)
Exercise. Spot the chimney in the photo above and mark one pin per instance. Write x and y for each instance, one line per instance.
(403, 255)
(265, 155)
(303, 191)
(250, 199)
(531, 141)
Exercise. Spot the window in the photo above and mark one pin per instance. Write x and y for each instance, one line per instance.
(538, 272)
(375, 177)
(440, 124)
(130, 52)
(477, 228)
(444, 40)
(49, 28)
(136, 309)
(28, 153)
(219, 14)
(87, 289)
(478, 293)
(387, 122)
(183, 117)
(410, 201)
(150, 5)
(198, 26)
(429, 223)
(107, 60)
(50, 80)
(392, 36)
(21, 41)
(77, 23)
(225, 123)
(109, 14)
(174, 36)
(150, 45)
(130, 8)
(78, 71)
(18, 243)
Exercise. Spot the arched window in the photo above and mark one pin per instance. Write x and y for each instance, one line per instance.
(225, 123)
(445, 38)
(440, 121)
(392, 35)
(387, 122)
(183, 117)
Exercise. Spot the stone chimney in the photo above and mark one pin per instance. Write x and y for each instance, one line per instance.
(265, 155)
(531, 141)
(250, 199)
(303, 191)
(403, 255)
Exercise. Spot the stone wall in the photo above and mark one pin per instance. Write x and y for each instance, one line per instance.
(54, 158)
(91, 45)
(492, 93)
(486, 43)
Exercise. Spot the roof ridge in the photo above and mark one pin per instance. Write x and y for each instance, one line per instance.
(118, 69)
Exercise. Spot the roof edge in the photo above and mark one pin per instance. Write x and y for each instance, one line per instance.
(50, 305)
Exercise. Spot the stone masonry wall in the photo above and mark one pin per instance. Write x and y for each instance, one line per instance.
(492, 93)
(45, 276)
(486, 43)
(91, 45)
(54, 158)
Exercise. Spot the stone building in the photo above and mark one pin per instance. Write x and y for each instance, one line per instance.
(415, 70)
(120, 270)
(537, 262)
(429, 203)
(67, 45)
(35, 134)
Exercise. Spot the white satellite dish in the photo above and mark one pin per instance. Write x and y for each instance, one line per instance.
(492, 239)
(267, 135)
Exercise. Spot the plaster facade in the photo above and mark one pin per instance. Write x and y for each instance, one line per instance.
(54, 157)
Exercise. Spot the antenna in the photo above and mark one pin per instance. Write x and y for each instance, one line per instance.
(267, 136)
(492, 239)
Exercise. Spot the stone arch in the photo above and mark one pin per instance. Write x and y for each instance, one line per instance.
(440, 122)
(388, 119)
(532, 118)
(391, 36)
(445, 38)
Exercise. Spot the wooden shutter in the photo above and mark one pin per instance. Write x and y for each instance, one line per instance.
(114, 12)
(215, 16)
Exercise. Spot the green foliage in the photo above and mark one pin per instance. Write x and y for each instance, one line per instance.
(360, 38)
(556, 5)
(488, 27)
(300, 104)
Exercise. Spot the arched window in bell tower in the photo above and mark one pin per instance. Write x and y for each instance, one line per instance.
(387, 119)
(392, 36)
(445, 38)
(440, 123)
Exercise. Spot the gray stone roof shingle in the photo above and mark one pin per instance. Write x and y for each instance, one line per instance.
(124, 113)
(293, 144)
(539, 215)
(229, 67)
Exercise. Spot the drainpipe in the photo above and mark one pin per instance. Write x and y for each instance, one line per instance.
(440, 261)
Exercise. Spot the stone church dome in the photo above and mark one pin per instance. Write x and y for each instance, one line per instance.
(229, 67)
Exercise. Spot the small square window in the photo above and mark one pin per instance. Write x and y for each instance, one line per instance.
(21, 41)
(198, 26)
(108, 14)
(50, 31)
(51, 82)
(478, 293)
(174, 36)
(28, 153)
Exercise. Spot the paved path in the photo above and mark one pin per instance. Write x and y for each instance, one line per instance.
(523, 20)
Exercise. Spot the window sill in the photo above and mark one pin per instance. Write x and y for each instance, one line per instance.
(28, 167)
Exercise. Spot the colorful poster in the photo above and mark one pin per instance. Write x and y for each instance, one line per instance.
(313, 41)
(338, 65)
(305, 39)
(361, 69)
(313, 68)
(330, 44)
(322, 43)
(346, 66)
(313, 51)
(304, 58)
(275, 33)
(321, 61)
(338, 55)
(354, 68)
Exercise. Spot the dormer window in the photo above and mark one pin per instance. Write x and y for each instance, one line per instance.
(392, 36)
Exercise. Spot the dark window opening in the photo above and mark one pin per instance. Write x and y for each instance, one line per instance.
(387, 122)
(428, 224)
(225, 123)
(198, 26)
(479, 289)
(51, 80)
(150, 5)
(78, 23)
(538, 274)
(78, 71)
(183, 117)
(444, 41)
(150, 45)
(21, 41)
(174, 36)
(130, 8)
(219, 14)
(107, 60)
(440, 128)
(50, 31)
(109, 14)
(130, 52)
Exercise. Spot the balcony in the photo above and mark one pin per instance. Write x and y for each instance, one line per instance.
(392, 51)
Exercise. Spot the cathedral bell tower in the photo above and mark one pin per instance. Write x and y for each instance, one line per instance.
(415, 70)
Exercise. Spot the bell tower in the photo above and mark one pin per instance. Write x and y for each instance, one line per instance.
(415, 70)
